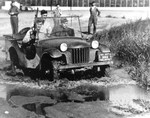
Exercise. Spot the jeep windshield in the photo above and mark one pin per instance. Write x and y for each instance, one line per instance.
(64, 26)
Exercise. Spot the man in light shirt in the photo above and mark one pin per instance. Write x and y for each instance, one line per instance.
(47, 25)
(33, 34)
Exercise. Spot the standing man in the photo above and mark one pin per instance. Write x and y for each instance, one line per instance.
(13, 12)
(57, 14)
(94, 12)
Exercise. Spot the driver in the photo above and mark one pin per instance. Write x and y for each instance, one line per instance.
(63, 29)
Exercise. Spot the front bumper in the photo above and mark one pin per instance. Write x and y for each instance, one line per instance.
(84, 65)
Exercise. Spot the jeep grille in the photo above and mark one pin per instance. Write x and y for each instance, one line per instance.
(80, 55)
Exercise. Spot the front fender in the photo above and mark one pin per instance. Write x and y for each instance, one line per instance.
(54, 53)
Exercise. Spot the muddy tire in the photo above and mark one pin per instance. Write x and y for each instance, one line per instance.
(103, 70)
(49, 69)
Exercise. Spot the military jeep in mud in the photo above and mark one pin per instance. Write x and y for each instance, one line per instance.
(59, 53)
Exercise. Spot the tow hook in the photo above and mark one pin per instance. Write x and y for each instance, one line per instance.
(98, 69)
(72, 71)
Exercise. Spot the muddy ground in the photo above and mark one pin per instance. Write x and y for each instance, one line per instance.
(21, 97)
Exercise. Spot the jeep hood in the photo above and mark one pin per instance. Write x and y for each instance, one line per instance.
(72, 42)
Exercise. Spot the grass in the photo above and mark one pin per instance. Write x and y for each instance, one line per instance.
(131, 44)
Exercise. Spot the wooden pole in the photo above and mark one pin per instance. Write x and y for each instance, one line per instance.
(137, 3)
(120, 3)
(67, 3)
(51, 4)
(99, 2)
(82, 3)
(144, 3)
(77, 3)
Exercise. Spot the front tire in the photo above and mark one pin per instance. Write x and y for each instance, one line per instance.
(49, 69)
(100, 71)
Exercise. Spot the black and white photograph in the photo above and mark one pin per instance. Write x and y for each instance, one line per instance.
(74, 58)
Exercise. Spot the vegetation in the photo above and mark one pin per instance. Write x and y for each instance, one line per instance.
(131, 44)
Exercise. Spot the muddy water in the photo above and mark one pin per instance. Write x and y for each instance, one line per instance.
(40, 100)
(3, 92)
(126, 93)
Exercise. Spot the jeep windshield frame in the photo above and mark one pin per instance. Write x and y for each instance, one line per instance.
(56, 23)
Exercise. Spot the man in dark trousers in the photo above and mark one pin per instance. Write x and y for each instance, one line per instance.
(13, 12)
(94, 12)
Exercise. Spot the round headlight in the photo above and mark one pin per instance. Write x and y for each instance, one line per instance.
(63, 47)
(95, 44)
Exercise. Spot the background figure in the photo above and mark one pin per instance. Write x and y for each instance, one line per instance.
(57, 14)
(13, 12)
(94, 12)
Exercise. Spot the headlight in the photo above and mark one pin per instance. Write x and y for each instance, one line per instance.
(63, 47)
(95, 44)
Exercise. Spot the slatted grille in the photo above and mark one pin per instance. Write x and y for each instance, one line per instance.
(80, 55)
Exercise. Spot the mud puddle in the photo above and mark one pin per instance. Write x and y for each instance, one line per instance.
(127, 93)
(77, 102)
